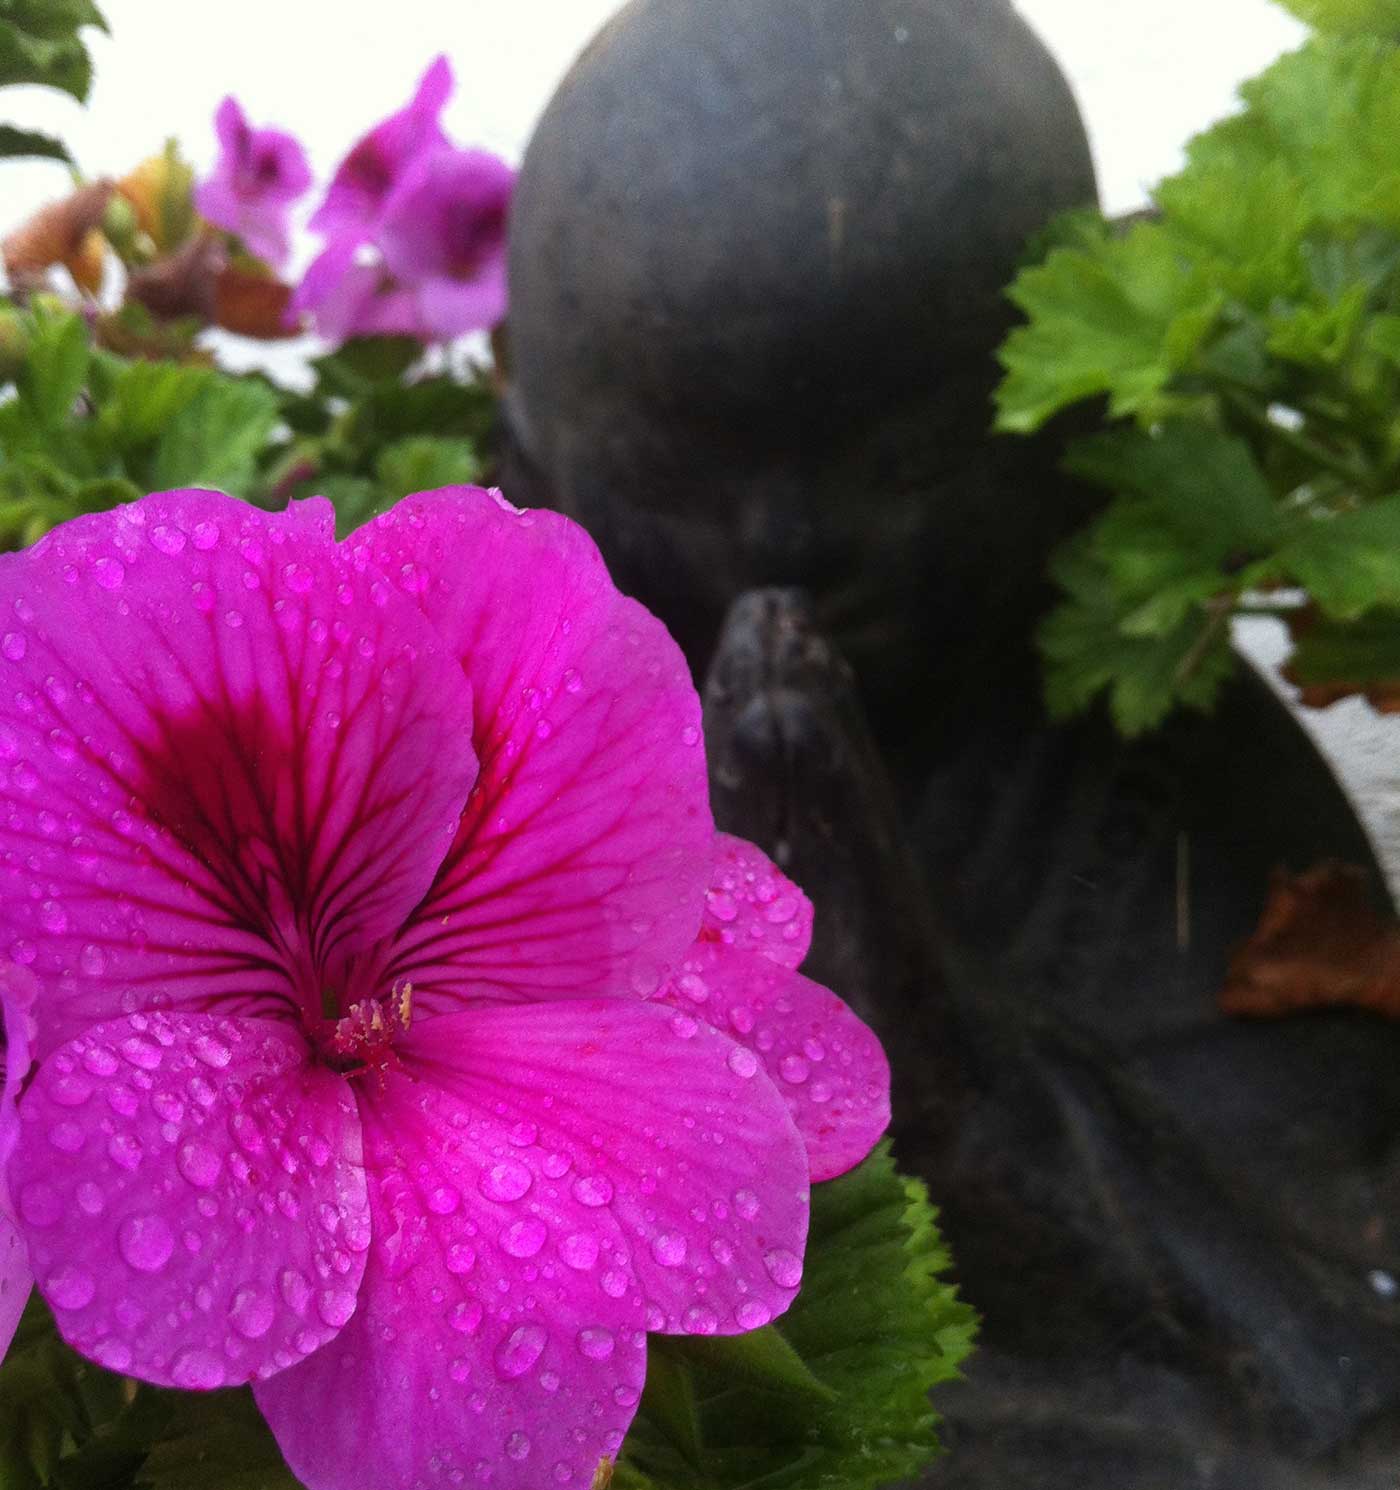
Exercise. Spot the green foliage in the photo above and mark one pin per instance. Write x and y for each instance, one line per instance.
(834, 1397)
(86, 429)
(1246, 343)
(39, 43)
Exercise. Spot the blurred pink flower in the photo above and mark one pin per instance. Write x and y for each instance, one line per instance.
(408, 1042)
(259, 174)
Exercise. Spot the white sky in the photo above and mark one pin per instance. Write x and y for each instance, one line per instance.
(1148, 73)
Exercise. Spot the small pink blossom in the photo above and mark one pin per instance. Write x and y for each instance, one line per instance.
(415, 230)
(409, 1044)
(259, 174)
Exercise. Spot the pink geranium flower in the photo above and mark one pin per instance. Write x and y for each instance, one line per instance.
(259, 174)
(408, 1043)
(17, 989)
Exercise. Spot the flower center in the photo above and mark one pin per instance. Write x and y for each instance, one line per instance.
(362, 1039)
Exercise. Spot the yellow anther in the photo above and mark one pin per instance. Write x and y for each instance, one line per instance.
(406, 1006)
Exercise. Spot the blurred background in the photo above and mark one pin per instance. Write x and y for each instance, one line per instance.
(1147, 74)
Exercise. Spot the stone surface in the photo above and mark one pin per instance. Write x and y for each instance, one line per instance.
(758, 255)
(1172, 1222)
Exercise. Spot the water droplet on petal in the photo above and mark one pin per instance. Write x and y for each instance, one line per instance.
(14, 646)
(794, 1069)
(593, 1190)
(742, 1061)
(519, 1351)
(70, 1287)
(596, 1343)
(784, 1267)
(752, 1315)
(252, 1312)
(109, 573)
(524, 1238)
(507, 1181)
(466, 1317)
(335, 1306)
(199, 1370)
(199, 1163)
(669, 1248)
(517, 1447)
(146, 1242)
(579, 1251)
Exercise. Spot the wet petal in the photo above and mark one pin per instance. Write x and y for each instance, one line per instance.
(17, 995)
(500, 1330)
(647, 1114)
(828, 1064)
(192, 1194)
(753, 906)
(583, 854)
(228, 758)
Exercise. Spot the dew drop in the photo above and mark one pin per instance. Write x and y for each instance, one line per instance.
(146, 1242)
(199, 1370)
(466, 1316)
(669, 1248)
(252, 1312)
(335, 1306)
(14, 646)
(509, 1180)
(71, 1287)
(296, 1291)
(524, 1238)
(793, 1069)
(109, 573)
(596, 1343)
(752, 1315)
(742, 1061)
(593, 1190)
(460, 1259)
(519, 1351)
(517, 1447)
(199, 1163)
(784, 1267)
(579, 1251)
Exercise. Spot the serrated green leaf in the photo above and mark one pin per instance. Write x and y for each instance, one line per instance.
(874, 1324)
(30, 144)
(51, 20)
(1119, 319)
(60, 62)
(55, 367)
(215, 439)
(1089, 652)
(1349, 562)
(1349, 17)
(423, 462)
(1331, 110)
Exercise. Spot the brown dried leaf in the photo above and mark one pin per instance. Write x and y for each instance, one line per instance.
(56, 233)
(185, 284)
(1320, 943)
(252, 304)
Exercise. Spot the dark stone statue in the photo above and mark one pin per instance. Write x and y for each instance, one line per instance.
(757, 261)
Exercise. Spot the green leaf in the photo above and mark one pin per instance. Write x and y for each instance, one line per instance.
(1361, 654)
(356, 499)
(19, 144)
(1117, 319)
(366, 360)
(1349, 17)
(216, 438)
(1331, 110)
(55, 368)
(875, 1328)
(51, 20)
(1089, 651)
(423, 462)
(216, 1441)
(61, 62)
(1349, 562)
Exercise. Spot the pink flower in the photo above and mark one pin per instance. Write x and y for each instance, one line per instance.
(17, 990)
(386, 162)
(446, 241)
(260, 173)
(409, 1044)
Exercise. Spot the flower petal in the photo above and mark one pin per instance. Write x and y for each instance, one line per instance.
(229, 758)
(583, 853)
(386, 161)
(193, 1197)
(17, 994)
(753, 906)
(500, 1330)
(659, 1120)
(15, 1281)
(828, 1064)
